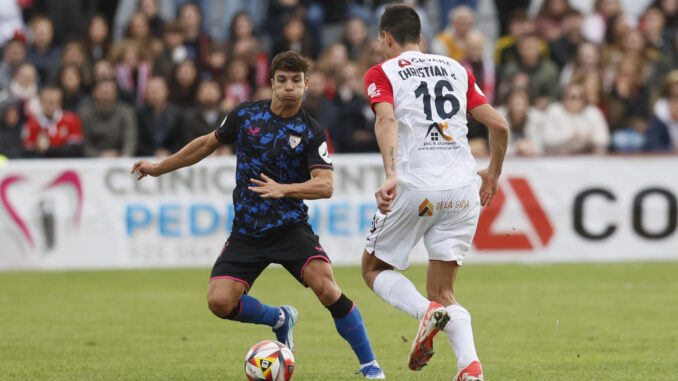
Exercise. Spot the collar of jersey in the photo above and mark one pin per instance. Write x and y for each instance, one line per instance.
(278, 117)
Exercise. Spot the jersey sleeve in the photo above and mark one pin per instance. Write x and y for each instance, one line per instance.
(227, 132)
(474, 96)
(377, 86)
(318, 154)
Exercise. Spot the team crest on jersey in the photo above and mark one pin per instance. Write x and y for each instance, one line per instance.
(372, 91)
(294, 141)
(403, 62)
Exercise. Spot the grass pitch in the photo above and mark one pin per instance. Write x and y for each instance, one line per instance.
(545, 322)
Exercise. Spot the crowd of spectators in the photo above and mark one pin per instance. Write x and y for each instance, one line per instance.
(144, 77)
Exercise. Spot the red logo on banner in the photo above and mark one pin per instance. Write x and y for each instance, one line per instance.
(69, 178)
(485, 239)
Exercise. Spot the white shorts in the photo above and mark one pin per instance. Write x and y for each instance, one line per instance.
(446, 219)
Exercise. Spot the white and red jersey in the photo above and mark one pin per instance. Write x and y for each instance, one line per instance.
(430, 95)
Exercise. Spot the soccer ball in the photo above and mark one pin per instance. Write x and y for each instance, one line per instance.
(269, 360)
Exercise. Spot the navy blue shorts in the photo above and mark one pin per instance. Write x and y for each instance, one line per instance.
(243, 259)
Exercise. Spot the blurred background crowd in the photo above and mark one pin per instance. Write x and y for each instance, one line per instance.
(109, 78)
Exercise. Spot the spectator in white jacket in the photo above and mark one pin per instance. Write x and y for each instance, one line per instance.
(574, 127)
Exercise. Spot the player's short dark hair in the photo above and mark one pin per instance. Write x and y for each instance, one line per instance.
(289, 61)
(402, 22)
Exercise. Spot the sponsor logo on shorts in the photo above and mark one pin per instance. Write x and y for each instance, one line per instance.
(426, 208)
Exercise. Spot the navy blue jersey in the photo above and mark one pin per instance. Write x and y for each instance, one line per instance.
(284, 149)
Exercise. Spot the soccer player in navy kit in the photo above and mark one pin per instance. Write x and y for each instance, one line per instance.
(282, 159)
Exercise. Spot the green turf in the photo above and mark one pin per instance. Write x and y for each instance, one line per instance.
(547, 322)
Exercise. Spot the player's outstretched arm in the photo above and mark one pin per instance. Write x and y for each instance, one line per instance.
(498, 127)
(198, 149)
(386, 130)
(321, 185)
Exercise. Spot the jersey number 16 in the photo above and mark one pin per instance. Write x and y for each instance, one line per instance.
(440, 101)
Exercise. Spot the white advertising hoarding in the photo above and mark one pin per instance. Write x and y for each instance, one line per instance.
(63, 214)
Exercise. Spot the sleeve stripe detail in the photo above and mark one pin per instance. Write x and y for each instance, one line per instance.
(321, 166)
(218, 138)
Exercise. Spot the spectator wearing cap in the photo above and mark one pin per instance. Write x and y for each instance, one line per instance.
(109, 126)
(52, 132)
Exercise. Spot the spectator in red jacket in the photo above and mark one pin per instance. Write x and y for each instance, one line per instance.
(53, 132)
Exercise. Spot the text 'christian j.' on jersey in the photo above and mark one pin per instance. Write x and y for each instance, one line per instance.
(430, 95)
(284, 149)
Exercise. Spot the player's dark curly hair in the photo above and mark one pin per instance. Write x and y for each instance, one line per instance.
(289, 61)
(402, 22)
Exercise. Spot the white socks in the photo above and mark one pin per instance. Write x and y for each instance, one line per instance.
(396, 290)
(460, 334)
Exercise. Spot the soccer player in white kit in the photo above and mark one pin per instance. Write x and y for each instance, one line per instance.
(431, 188)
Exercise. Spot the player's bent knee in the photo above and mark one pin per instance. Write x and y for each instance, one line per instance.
(327, 291)
(220, 306)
